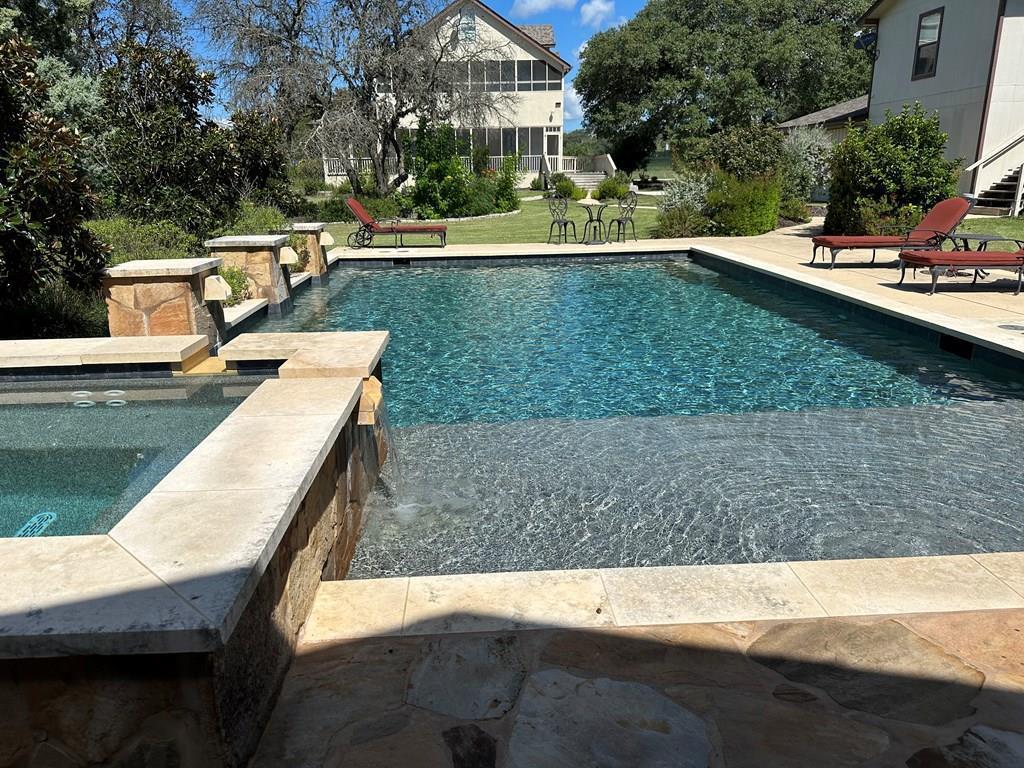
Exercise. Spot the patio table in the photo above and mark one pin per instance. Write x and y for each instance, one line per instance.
(594, 224)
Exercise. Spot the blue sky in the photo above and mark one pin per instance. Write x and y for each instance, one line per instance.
(575, 21)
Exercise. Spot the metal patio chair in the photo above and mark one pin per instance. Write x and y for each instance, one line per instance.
(558, 206)
(627, 207)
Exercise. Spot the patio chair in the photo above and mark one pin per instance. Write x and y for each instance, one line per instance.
(627, 207)
(558, 206)
(369, 228)
(940, 222)
(949, 262)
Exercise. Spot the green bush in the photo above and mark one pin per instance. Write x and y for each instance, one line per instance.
(804, 162)
(482, 191)
(566, 187)
(793, 209)
(382, 207)
(681, 221)
(54, 310)
(240, 291)
(613, 188)
(537, 183)
(506, 198)
(481, 160)
(334, 208)
(877, 170)
(253, 219)
(747, 153)
(881, 218)
(129, 240)
(689, 189)
(743, 207)
(45, 198)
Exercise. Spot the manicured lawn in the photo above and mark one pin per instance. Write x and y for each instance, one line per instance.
(996, 225)
(528, 226)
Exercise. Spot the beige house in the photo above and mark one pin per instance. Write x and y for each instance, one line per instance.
(965, 60)
(520, 60)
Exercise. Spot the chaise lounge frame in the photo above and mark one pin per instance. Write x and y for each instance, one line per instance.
(370, 227)
(940, 263)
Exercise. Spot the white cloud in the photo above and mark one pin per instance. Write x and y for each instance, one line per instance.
(533, 7)
(572, 110)
(579, 51)
(596, 13)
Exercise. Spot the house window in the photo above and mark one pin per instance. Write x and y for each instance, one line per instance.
(467, 25)
(537, 76)
(926, 56)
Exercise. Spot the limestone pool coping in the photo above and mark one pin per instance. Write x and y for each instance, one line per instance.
(163, 267)
(246, 241)
(174, 575)
(312, 354)
(61, 353)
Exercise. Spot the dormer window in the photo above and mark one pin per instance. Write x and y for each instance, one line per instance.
(926, 55)
(467, 25)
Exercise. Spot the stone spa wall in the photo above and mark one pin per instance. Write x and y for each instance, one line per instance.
(195, 709)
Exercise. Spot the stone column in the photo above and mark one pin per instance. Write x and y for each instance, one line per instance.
(259, 256)
(162, 297)
(317, 253)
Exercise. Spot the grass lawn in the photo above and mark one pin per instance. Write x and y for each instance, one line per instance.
(996, 225)
(528, 226)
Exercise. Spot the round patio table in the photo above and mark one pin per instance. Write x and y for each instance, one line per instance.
(594, 224)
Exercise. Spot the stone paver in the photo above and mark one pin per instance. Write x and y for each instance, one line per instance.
(793, 694)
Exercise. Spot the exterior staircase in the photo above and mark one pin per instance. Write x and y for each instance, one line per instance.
(998, 200)
(587, 180)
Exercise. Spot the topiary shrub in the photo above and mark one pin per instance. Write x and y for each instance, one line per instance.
(129, 240)
(743, 207)
(240, 290)
(613, 188)
(877, 170)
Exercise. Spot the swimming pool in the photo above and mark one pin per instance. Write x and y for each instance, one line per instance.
(655, 413)
(79, 454)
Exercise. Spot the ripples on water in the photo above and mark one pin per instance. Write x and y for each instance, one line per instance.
(777, 427)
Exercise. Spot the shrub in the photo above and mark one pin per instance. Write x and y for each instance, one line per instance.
(681, 221)
(54, 310)
(128, 240)
(481, 160)
(240, 291)
(334, 208)
(690, 189)
(613, 188)
(44, 196)
(537, 183)
(793, 209)
(482, 191)
(804, 162)
(881, 169)
(253, 219)
(442, 183)
(566, 187)
(747, 153)
(881, 217)
(743, 206)
(506, 198)
(381, 207)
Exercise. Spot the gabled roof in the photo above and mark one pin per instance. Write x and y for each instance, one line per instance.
(521, 33)
(870, 17)
(542, 33)
(854, 109)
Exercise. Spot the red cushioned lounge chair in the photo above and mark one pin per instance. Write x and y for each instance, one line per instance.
(949, 262)
(939, 224)
(369, 228)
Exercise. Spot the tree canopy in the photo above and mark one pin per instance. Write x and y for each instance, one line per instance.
(685, 69)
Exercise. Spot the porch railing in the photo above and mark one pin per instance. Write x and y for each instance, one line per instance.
(334, 166)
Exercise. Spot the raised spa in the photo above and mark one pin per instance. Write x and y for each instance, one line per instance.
(78, 454)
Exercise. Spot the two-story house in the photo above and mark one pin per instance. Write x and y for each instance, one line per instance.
(525, 63)
(965, 60)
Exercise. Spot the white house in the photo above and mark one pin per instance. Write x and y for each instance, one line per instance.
(525, 62)
(965, 60)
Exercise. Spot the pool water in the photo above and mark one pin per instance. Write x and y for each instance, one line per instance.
(655, 413)
(78, 455)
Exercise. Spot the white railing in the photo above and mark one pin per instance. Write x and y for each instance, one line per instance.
(335, 166)
(569, 164)
(1002, 149)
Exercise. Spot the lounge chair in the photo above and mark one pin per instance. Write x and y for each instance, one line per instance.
(935, 227)
(369, 228)
(944, 262)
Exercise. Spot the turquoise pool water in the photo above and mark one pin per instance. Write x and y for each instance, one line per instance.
(661, 413)
(78, 455)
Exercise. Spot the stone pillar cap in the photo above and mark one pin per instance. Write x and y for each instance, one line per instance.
(163, 267)
(247, 241)
(309, 226)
